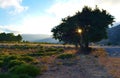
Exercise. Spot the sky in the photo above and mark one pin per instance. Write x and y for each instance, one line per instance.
(40, 16)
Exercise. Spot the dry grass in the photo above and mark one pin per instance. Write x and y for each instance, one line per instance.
(99, 52)
(112, 65)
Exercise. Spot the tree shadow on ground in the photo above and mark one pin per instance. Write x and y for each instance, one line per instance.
(85, 51)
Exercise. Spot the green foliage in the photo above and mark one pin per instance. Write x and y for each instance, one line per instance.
(27, 58)
(66, 56)
(1, 63)
(93, 22)
(26, 69)
(10, 57)
(60, 49)
(6, 75)
(24, 76)
(13, 63)
(50, 53)
(50, 49)
(10, 37)
(10, 75)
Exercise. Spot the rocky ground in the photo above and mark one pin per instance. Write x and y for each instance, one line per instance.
(81, 66)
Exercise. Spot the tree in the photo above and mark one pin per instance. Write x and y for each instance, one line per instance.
(93, 22)
(19, 38)
(10, 37)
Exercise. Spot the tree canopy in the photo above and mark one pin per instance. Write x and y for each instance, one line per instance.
(10, 37)
(92, 22)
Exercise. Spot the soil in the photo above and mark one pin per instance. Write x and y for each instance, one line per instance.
(81, 66)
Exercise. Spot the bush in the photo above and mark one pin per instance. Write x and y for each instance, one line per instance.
(6, 75)
(27, 58)
(50, 53)
(51, 49)
(10, 57)
(60, 50)
(66, 56)
(9, 75)
(24, 76)
(1, 63)
(13, 63)
(26, 69)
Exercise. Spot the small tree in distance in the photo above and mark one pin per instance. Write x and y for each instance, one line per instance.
(92, 22)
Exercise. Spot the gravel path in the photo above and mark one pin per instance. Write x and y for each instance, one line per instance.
(80, 67)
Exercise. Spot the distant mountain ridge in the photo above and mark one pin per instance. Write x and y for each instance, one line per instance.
(48, 40)
(114, 35)
(34, 37)
(38, 38)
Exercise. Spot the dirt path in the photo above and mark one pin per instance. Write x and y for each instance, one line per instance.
(79, 67)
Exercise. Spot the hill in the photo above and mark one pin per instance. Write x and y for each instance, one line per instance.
(48, 40)
(114, 35)
(38, 38)
(34, 37)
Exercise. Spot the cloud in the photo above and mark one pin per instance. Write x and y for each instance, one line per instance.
(32, 25)
(8, 29)
(43, 23)
(113, 2)
(14, 4)
(112, 6)
(64, 8)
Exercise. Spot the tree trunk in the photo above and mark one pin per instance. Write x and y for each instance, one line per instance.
(86, 45)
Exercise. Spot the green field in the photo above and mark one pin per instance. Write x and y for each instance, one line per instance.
(26, 60)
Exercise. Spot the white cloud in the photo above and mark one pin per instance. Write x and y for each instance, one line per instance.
(32, 25)
(15, 4)
(112, 6)
(65, 8)
(62, 8)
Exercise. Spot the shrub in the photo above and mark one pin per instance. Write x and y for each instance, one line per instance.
(27, 58)
(26, 69)
(51, 49)
(10, 57)
(7, 75)
(66, 56)
(60, 50)
(50, 53)
(2, 57)
(1, 63)
(24, 76)
(13, 63)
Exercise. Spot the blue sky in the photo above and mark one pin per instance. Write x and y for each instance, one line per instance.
(39, 16)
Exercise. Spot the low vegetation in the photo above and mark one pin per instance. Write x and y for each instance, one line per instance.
(30, 60)
(66, 56)
(25, 61)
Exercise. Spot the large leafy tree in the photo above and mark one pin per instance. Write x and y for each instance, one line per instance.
(92, 22)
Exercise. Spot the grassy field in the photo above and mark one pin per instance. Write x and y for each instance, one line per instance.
(29, 60)
(25, 60)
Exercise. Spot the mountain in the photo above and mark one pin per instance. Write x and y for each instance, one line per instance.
(49, 40)
(34, 37)
(38, 38)
(114, 35)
